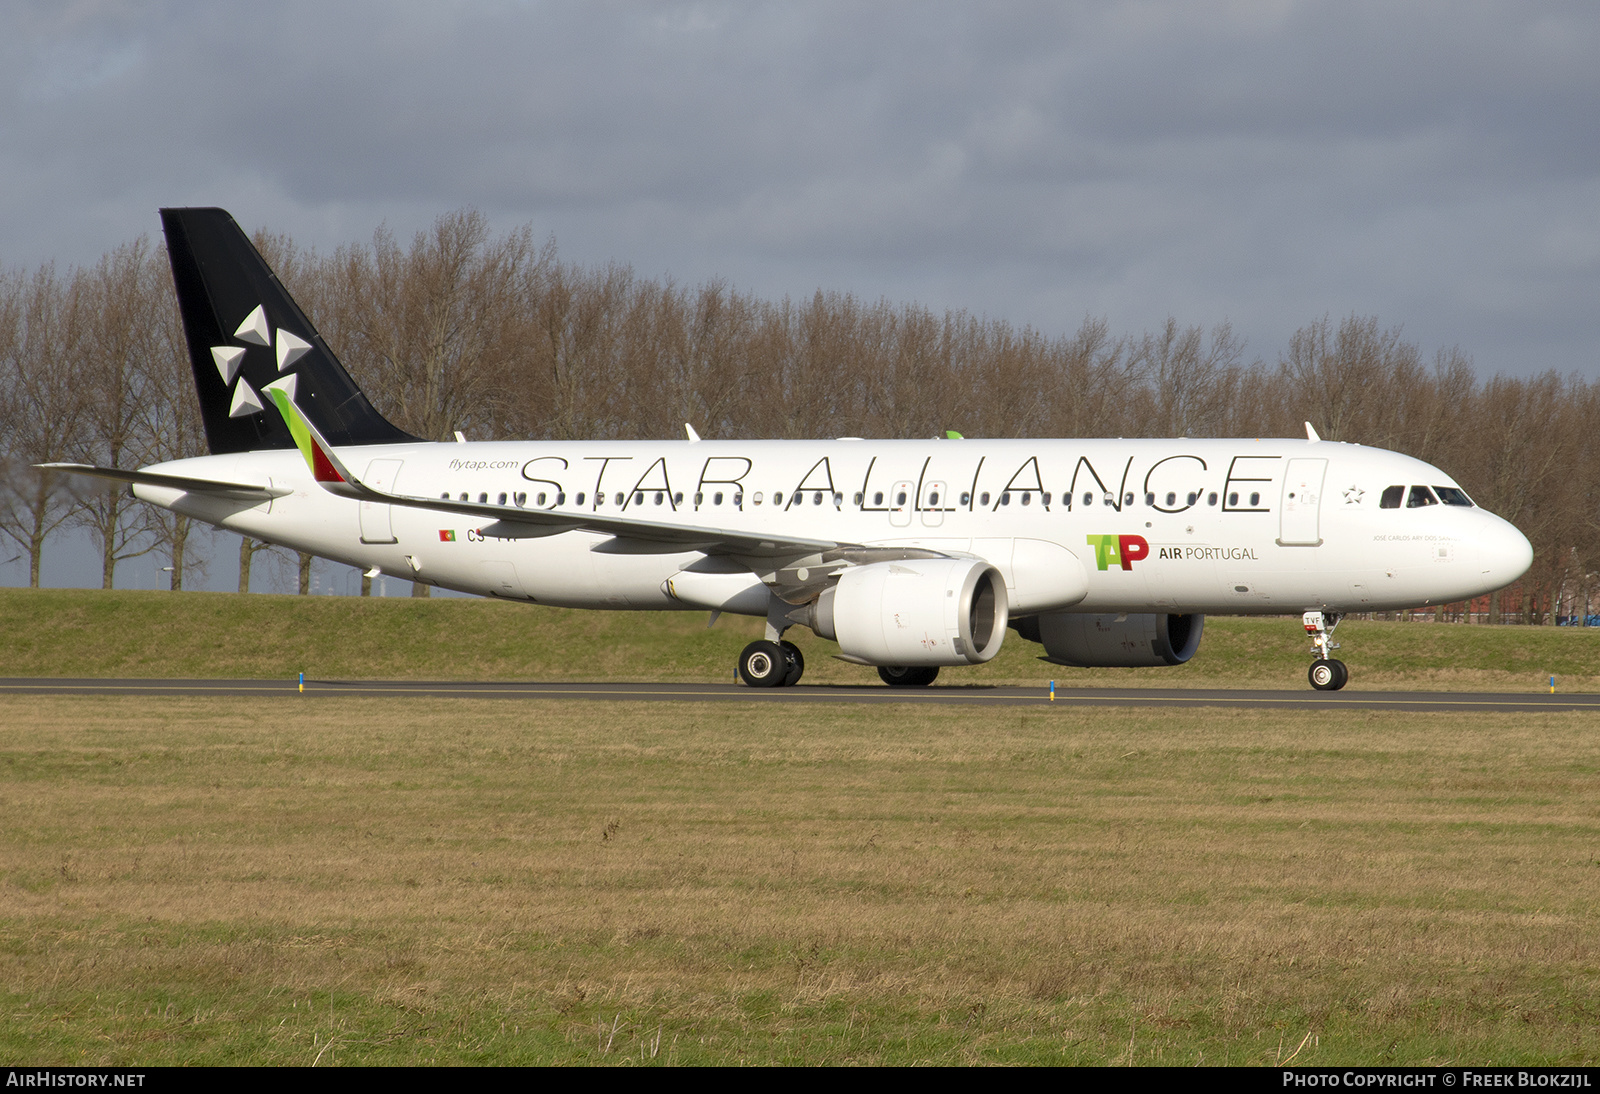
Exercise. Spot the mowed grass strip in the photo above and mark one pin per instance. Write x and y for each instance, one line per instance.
(79, 632)
(397, 881)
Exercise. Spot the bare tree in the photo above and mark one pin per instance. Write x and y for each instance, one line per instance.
(43, 405)
(170, 427)
(120, 328)
(248, 550)
(428, 323)
(1189, 383)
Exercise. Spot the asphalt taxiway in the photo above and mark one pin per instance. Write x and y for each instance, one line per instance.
(1170, 698)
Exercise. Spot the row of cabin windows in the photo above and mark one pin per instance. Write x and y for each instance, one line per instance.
(1419, 496)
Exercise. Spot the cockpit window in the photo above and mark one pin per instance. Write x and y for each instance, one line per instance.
(1391, 497)
(1419, 497)
(1453, 495)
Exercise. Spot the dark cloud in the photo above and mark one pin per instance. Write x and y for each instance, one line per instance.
(1264, 162)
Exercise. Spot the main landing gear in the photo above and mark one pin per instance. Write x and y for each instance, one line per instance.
(1326, 674)
(771, 664)
(774, 663)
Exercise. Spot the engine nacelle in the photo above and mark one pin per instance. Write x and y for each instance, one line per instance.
(925, 611)
(1088, 641)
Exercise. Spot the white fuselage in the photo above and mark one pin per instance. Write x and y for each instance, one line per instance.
(1213, 526)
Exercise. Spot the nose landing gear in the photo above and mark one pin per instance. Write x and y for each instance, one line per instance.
(1326, 673)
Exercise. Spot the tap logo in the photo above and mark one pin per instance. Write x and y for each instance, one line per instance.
(1121, 551)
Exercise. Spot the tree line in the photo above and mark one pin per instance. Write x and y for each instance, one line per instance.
(497, 337)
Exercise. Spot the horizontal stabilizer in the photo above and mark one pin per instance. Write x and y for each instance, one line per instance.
(238, 491)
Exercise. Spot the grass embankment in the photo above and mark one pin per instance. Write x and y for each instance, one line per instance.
(339, 881)
(75, 632)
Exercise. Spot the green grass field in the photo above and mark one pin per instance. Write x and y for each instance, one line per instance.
(338, 881)
(75, 632)
(326, 880)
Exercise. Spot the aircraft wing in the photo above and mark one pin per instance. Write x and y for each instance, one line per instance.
(235, 491)
(632, 535)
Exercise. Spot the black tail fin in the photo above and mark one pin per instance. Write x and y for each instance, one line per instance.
(244, 332)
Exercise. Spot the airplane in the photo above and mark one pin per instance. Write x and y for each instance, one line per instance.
(911, 555)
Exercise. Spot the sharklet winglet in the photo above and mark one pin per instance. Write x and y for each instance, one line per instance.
(325, 466)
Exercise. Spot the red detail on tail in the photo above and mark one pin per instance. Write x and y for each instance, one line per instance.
(321, 467)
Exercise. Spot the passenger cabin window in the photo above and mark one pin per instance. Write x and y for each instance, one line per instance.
(716, 499)
(502, 499)
(1391, 497)
(580, 497)
(777, 497)
(983, 498)
(1419, 497)
(1211, 498)
(877, 498)
(1045, 497)
(1453, 495)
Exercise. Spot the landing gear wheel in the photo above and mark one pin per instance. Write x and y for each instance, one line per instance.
(912, 676)
(797, 664)
(1328, 674)
(764, 665)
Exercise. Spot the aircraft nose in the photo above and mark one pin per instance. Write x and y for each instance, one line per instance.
(1505, 553)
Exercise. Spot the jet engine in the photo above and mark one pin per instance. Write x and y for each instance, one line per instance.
(926, 611)
(1090, 641)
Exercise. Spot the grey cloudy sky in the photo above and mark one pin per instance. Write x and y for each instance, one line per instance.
(1264, 163)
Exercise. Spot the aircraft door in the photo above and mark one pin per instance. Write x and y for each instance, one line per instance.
(900, 503)
(935, 498)
(1299, 517)
(376, 526)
